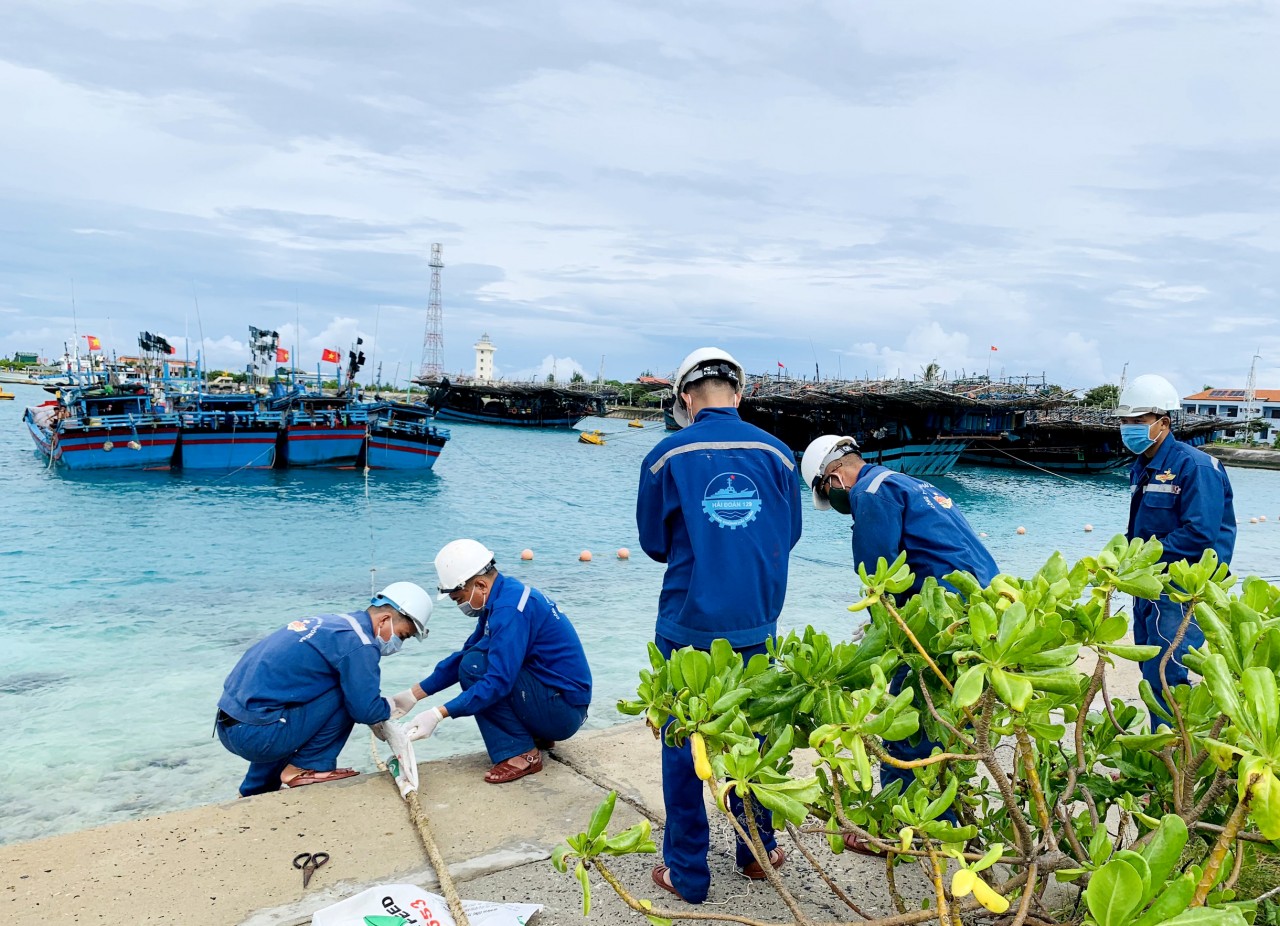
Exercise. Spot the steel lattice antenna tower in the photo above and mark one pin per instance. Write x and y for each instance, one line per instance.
(433, 339)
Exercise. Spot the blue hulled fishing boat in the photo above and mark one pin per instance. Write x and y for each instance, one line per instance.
(226, 432)
(102, 426)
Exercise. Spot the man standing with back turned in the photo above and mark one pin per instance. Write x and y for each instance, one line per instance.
(719, 503)
(1180, 496)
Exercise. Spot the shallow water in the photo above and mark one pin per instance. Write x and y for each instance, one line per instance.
(126, 598)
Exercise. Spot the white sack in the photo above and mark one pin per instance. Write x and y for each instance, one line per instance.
(411, 905)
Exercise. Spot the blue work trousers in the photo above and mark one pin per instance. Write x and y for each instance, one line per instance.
(903, 750)
(309, 736)
(686, 838)
(1156, 623)
(533, 710)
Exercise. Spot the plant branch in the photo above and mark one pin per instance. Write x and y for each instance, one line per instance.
(1033, 778)
(983, 730)
(766, 864)
(898, 903)
(928, 700)
(944, 915)
(916, 643)
(1225, 840)
(880, 753)
(809, 857)
(1024, 906)
(612, 880)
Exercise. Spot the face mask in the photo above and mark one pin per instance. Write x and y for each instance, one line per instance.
(1136, 437)
(467, 608)
(392, 646)
(839, 498)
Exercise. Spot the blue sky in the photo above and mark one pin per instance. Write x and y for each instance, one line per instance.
(867, 187)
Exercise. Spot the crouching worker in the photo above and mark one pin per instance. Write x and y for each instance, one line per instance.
(291, 701)
(523, 673)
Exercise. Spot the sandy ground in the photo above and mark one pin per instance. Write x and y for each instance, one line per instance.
(231, 863)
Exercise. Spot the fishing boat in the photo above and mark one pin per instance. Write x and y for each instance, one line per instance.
(635, 423)
(226, 432)
(5, 395)
(101, 426)
(525, 405)
(321, 430)
(403, 436)
(591, 437)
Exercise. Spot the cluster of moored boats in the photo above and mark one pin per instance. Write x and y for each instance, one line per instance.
(106, 418)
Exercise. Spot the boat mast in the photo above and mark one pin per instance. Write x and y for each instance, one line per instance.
(1250, 394)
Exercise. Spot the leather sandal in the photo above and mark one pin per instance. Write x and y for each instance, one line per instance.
(855, 843)
(662, 877)
(311, 777)
(514, 768)
(752, 870)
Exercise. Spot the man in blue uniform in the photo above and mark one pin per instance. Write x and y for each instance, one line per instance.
(290, 703)
(720, 505)
(1180, 496)
(523, 673)
(894, 513)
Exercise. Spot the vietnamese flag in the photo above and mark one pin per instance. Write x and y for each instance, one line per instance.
(782, 365)
(330, 356)
(94, 343)
(994, 347)
(282, 355)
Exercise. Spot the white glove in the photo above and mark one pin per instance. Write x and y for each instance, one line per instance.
(401, 703)
(424, 724)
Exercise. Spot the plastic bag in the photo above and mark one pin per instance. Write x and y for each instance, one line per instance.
(401, 904)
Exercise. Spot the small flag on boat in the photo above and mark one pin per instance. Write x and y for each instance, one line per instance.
(282, 355)
(993, 347)
(782, 365)
(94, 343)
(330, 356)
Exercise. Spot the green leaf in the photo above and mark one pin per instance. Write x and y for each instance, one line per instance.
(1222, 686)
(1144, 872)
(781, 804)
(969, 686)
(1114, 893)
(1132, 653)
(1013, 690)
(1265, 806)
(557, 858)
(657, 920)
(581, 874)
(1165, 848)
(1208, 916)
(1176, 898)
(600, 819)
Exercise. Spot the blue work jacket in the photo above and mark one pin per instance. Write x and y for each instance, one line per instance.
(719, 503)
(893, 512)
(519, 628)
(1182, 497)
(304, 660)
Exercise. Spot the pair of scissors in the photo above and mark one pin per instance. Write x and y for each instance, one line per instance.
(309, 863)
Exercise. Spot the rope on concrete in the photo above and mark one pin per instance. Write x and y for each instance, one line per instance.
(419, 818)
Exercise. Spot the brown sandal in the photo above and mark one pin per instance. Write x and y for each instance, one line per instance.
(514, 768)
(855, 843)
(311, 777)
(752, 870)
(662, 878)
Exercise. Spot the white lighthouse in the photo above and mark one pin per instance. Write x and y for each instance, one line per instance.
(484, 359)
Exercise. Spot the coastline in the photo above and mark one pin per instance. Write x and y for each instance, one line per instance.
(1245, 457)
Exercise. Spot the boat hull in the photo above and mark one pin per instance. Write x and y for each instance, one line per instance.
(396, 451)
(106, 447)
(511, 421)
(323, 445)
(247, 448)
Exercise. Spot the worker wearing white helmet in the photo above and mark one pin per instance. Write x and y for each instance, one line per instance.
(290, 703)
(1182, 497)
(894, 513)
(719, 504)
(523, 673)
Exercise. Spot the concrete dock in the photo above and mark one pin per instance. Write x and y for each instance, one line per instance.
(231, 863)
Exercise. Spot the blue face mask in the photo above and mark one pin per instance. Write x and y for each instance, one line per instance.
(392, 646)
(1136, 437)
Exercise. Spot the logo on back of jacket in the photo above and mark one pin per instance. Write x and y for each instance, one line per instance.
(731, 500)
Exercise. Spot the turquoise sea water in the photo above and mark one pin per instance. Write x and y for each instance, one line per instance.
(126, 598)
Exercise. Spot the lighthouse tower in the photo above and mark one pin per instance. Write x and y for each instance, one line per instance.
(484, 359)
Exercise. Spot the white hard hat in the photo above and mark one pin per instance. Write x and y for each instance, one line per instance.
(704, 362)
(410, 600)
(1148, 393)
(821, 453)
(458, 561)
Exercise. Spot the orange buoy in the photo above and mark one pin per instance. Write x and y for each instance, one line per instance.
(1262, 517)
(526, 554)
(624, 553)
(584, 556)
(1022, 530)
(1253, 520)
(1088, 528)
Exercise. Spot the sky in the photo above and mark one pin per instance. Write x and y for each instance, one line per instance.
(856, 189)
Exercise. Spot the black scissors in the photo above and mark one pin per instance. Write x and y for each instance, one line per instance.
(309, 863)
